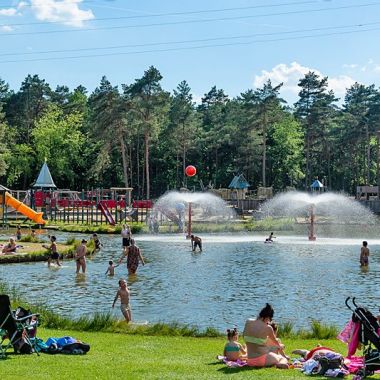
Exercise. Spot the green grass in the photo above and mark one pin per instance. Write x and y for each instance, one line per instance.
(95, 228)
(118, 356)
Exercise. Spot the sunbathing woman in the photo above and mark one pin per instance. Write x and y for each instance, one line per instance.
(262, 342)
(10, 247)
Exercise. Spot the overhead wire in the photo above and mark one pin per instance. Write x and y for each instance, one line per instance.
(190, 21)
(191, 47)
(361, 25)
(149, 15)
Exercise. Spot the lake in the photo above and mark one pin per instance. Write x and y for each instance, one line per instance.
(228, 282)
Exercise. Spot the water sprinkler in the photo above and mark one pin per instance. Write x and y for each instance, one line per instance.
(189, 223)
(312, 236)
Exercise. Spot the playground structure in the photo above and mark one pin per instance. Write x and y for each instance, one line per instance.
(96, 206)
(8, 201)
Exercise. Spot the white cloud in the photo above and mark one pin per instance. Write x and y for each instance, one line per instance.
(350, 66)
(66, 11)
(6, 28)
(13, 11)
(291, 74)
(8, 12)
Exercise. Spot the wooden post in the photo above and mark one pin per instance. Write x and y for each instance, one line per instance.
(189, 223)
(312, 236)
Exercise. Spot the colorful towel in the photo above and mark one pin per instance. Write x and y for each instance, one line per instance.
(230, 363)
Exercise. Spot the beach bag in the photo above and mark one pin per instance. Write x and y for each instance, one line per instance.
(330, 360)
(67, 345)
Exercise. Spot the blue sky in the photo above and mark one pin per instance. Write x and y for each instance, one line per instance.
(258, 40)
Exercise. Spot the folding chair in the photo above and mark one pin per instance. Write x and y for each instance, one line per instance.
(19, 330)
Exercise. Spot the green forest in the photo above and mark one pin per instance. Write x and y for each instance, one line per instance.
(140, 135)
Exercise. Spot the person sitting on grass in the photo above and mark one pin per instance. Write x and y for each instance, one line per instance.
(124, 295)
(10, 247)
(262, 342)
(278, 350)
(233, 350)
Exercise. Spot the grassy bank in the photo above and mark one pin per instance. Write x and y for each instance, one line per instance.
(31, 250)
(114, 356)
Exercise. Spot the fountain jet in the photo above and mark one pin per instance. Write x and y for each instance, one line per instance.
(312, 236)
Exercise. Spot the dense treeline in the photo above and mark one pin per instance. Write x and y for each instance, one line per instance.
(141, 136)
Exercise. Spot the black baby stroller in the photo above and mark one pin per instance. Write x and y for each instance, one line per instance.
(368, 337)
(18, 327)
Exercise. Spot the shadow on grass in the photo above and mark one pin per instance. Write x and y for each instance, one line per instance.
(230, 370)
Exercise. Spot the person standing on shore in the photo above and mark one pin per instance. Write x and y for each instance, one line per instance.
(364, 254)
(18, 232)
(80, 256)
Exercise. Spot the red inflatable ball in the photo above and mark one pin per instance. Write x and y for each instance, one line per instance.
(190, 171)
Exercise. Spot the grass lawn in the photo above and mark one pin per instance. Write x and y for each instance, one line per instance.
(122, 356)
(29, 251)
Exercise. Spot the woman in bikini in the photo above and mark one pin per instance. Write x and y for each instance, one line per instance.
(261, 341)
(10, 247)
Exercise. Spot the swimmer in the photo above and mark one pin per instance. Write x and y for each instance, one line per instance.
(111, 268)
(364, 254)
(270, 238)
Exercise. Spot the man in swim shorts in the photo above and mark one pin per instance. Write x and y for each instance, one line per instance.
(124, 294)
(80, 256)
(196, 241)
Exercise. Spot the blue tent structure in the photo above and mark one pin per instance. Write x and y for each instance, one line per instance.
(239, 187)
(44, 179)
(317, 185)
(239, 182)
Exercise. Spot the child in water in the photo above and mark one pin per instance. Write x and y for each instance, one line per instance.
(97, 242)
(111, 268)
(123, 293)
(233, 350)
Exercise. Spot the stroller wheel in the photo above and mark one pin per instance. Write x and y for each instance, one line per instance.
(363, 373)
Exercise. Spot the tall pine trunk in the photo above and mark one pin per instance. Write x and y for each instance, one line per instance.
(264, 149)
(146, 138)
(124, 160)
(368, 174)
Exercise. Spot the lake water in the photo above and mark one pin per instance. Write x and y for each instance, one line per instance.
(221, 287)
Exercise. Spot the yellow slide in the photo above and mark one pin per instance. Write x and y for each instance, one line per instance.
(23, 209)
